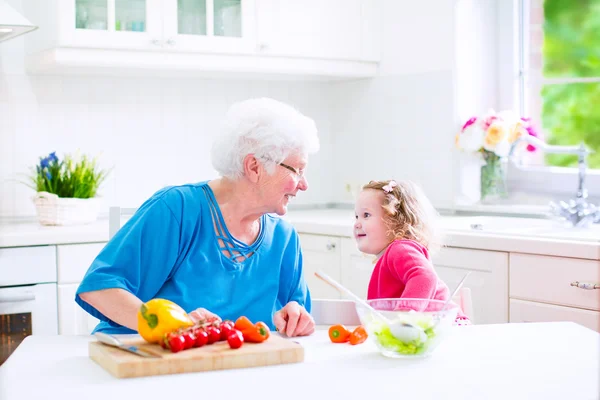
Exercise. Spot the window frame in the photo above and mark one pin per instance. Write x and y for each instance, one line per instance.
(513, 51)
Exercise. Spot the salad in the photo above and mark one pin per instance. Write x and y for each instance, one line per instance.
(384, 338)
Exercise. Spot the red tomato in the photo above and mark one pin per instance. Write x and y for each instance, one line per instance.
(176, 342)
(214, 334)
(190, 340)
(235, 339)
(226, 327)
(201, 338)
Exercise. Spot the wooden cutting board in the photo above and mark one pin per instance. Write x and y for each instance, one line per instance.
(216, 356)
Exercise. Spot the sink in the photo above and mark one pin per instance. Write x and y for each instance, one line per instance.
(520, 226)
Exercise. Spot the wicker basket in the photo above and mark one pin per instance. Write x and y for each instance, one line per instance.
(54, 210)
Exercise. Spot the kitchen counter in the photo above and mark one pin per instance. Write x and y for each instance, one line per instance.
(525, 235)
(505, 361)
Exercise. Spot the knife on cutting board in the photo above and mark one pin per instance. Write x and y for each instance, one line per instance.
(113, 341)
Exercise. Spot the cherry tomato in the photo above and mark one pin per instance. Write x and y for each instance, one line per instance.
(226, 327)
(201, 338)
(214, 334)
(235, 339)
(190, 339)
(176, 342)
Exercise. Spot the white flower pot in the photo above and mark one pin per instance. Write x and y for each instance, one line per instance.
(54, 210)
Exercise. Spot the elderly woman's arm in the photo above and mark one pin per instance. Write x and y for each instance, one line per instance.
(118, 305)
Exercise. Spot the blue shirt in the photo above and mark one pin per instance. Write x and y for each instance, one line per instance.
(169, 249)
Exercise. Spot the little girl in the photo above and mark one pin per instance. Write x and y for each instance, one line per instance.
(397, 223)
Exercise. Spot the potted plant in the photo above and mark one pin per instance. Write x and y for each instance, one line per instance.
(490, 138)
(67, 190)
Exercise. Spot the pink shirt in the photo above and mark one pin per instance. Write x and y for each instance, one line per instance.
(405, 270)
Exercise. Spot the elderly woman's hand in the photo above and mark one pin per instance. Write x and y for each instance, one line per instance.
(202, 313)
(294, 320)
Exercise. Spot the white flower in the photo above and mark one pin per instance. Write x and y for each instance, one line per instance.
(502, 148)
(471, 139)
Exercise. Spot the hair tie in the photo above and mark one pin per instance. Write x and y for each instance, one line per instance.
(390, 186)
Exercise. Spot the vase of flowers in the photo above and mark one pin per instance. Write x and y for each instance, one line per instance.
(491, 136)
(67, 190)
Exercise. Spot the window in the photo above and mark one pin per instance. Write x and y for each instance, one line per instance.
(560, 75)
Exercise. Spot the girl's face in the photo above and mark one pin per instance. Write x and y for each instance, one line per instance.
(370, 230)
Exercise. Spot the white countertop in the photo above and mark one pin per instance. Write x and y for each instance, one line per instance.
(508, 361)
(526, 235)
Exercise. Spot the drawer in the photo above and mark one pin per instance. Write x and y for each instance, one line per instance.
(320, 243)
(75, 259)
(477, 260)
(529, 311)
(27, 265)
(548, 279)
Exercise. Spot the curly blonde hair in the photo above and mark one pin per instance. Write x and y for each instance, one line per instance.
(408, 213)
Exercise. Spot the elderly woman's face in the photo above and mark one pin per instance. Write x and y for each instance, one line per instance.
(285, 183)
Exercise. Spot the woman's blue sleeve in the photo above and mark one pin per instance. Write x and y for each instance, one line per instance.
(139, 258)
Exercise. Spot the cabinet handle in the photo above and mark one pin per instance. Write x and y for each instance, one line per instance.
(586, 285)
(262, 47)
(27, 296)
(330, 246)
(171, 42)
(156, 42)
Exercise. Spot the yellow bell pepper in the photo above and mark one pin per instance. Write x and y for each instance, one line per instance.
(158, 317)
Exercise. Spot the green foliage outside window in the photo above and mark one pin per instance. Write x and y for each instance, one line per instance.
(571, 112)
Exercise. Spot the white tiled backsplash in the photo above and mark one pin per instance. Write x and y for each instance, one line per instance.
(155, 132)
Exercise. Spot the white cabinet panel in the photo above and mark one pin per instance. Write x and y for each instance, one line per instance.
(548, 279)
(529, 311)
(27, 265)
(357, 268)
(72, 319)
(75, 259)
(488, 281)
(331, 29)
(321, 253)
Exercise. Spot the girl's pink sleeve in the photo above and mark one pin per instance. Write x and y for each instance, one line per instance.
(412, 267)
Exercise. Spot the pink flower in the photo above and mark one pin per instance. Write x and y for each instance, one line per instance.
(531, 131)
(470, 122)
(489, 121)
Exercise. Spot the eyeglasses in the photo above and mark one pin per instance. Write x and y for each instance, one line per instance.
(298, 172)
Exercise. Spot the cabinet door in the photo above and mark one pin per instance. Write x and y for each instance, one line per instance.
(332, 29)
(210, 26)
(488, 281)
(321, 253)
(72, 319)
(529, 311)
(112, 24)
(75, 259)
(357, 268)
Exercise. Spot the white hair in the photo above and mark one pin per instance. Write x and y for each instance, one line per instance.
(267, 128)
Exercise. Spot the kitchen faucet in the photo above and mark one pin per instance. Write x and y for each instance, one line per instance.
(578, 212)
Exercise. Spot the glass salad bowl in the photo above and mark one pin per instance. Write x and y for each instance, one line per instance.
(427, 322)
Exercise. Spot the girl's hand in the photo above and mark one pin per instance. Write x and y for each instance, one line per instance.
(202, 313)
(294, 320)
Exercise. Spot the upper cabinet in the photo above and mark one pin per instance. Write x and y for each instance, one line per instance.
(326, 38)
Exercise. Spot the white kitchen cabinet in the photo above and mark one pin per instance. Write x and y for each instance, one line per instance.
(357, 268)
(321, 253)
(530, 311)
(327, 39)
(73, 261)
(326, 29)
(72, 319)
(544, 288)
(488, 281)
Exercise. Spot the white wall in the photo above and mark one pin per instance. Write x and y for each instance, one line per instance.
(401, 123)
(155, 132)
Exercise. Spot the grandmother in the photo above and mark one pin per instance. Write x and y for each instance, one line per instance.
(215, 247)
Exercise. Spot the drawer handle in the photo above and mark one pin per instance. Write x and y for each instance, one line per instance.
(330, 246)
(586, 285)
(14, 298)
